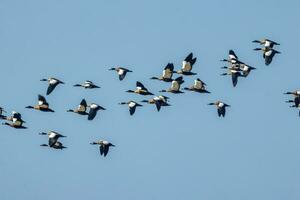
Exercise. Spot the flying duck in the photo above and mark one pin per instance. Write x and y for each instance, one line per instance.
(2, 111)
(187, 65)
(140, 89)
(175, 87)
(296, 100)
(81, 109)
(159, 101)
(87, 85)
(42, 105)
(53, 140)
(268, 54)
(242, 67)
(104, 146)
(234, 75)
(16, 120)
(266, 42)
(94, 108)
(199, 86)
(167, 73)
(132, 106)
(121, 72)
(220, 107)
(53, 82)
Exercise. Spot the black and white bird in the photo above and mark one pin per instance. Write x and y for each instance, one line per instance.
(233, 59)
(199, 86)
(104, 146)
(121, 72)
(132, 106)
(234, 75)
(43, 105)
(159, 101)
(187, 65)
(221, 107)
(167, 73)
(53, 82)
(16, 121)
(268, 54)
(140, 89)
(94, 108)
(266, 42)
(175, 86)
(81, 109)
(87, 85)
(296, 99)
(53, 140)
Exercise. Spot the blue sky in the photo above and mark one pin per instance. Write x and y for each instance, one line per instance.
(183, 152)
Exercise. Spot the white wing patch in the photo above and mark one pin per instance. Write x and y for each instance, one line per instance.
(53, 81)
(131, 104)
(121, 72)
(268, 53)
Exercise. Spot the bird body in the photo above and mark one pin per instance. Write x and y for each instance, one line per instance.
(53, 82)
(132, 106)
(175, 86)
(187, 65)
(221, 107)
(42, 105)
(87, 85)
(266, 42)
(268, 54)
(121, 72)
(167, 73)
(17, 121)
(104, 146)
(81, 109)
(199, 86)
(140, 89)
(94, 108)
(53, 140)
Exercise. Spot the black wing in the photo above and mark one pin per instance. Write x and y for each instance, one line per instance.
(105, 148)
(193, 61)
(189, 58)
(139, 84)
(132, 110)
(122, 76)
(234, 77)
(51, 87)
(52, 141)
(42, 98)
(221, 111)
(170, 66)
(297, 101)
(17, 116)
(101, 149)
(92, 114)
(158, 105)
(231, 52)
(268, 59)
(83, 103)
(179, 79)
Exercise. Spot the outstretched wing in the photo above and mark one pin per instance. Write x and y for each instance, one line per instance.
(82, 106)
(92, 114)
(51, 87)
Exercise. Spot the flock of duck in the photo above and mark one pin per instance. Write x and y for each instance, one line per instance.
(235, 68)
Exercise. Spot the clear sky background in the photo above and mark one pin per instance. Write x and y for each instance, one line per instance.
(183, 152)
